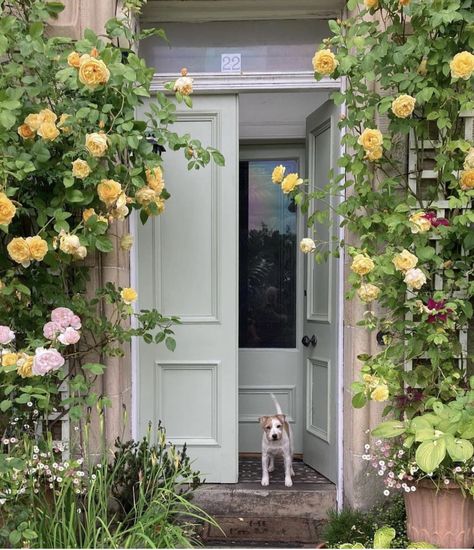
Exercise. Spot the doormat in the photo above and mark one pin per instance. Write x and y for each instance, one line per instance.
(273, 530)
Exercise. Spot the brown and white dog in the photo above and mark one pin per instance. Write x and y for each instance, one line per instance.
(277, 439)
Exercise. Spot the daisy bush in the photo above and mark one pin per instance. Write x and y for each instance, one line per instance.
(408, 67)
(75, 163)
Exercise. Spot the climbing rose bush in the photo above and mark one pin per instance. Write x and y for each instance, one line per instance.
(408, 67)
(75, 163)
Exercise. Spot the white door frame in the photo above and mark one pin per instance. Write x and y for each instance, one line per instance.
(258, 82)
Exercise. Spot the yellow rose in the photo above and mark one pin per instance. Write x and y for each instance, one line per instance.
(362, 264)
(374, 154)
(25, 365)
(62, 123)
(109, 191)
(93, 72)
(154, 179)
(120, 210)
(184, 84)
(467, 179)
(145, 195)
(403, 106)
(9, 359)
(47, 115)
(25, 132)
(7, 210)
(371, 4)
(404, 261)
(38, 247)
(88, 213)
(414, 279)
(19, 251)
(34, 121)
(126, 242)
(68, 243)
(96, 144)
(160, 207)
(48, 131)
(368, 292)
(469, 160)
(370, 139)
(462, 65)
(278, 174)
(128, 295)
(419, 223)
(290, 182)
(73, 59)
(307, 245)
(80, 253)
(80, 169)
(324, 62)
(380, 393)
(370, 380)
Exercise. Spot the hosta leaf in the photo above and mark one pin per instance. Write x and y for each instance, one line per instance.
(392, 428)
(460, 450)
(383, 537)
(430, 454)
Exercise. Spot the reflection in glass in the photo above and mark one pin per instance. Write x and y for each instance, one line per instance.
(267, 300)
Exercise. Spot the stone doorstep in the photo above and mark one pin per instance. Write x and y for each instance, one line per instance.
(305, 501)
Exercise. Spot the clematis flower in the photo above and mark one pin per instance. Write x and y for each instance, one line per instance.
(436, 311)
(434, 220)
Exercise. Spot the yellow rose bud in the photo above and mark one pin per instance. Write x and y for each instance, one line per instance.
(34, 121)
(68, 243)
(88, 213)
(48, 131)
(80, 169)
(290, 183)
(80, 253)
(324, 62)
(374, 154)
(154, 178)
(94, 52)
(307, 245)
(414, 279)
(128, 295)
(7, 210)
(278, 174)
(93, 72)
(362, 264)
(126, 242)
(371, 4)
(403, 106)
(109, 191)
(469, 160)
(145, 196)
(9, 359)
(73, 59)
(423, 68)
(19, 251)
(467, 180)
(62, 123)
(25, 365)
(462, 65)
(368, 292)
(380, 393)
(404, 261)
(370, 139)
(96, 144)
(25, 132)
(38, 247)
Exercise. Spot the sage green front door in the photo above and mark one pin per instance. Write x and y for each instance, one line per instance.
(187, 266)
(321, 315)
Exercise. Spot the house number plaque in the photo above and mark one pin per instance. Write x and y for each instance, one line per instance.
(231, 63)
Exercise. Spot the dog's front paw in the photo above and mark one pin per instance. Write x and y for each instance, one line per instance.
(265, 481)
(288, 482)
(271, 468)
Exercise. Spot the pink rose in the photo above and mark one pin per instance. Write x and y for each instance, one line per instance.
(75, 322)
(51, 330)
(46, 360)
(6, 335)
(69, 336)
(63, 316)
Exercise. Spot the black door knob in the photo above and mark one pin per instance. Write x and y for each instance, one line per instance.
(306, 341)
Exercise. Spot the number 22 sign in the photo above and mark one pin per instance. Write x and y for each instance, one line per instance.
(231, 63)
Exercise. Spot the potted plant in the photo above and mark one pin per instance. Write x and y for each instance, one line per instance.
(431, 458)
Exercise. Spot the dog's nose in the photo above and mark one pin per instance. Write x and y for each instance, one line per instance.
(274, 436)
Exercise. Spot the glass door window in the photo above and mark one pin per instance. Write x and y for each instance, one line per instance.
(267, 246)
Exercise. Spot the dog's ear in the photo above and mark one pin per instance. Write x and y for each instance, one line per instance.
(281, 418)
(263, 420)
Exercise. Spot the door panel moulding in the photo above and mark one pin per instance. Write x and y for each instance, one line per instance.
(199, 11)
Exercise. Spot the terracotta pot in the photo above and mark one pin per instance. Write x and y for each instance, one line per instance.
(444, 518)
